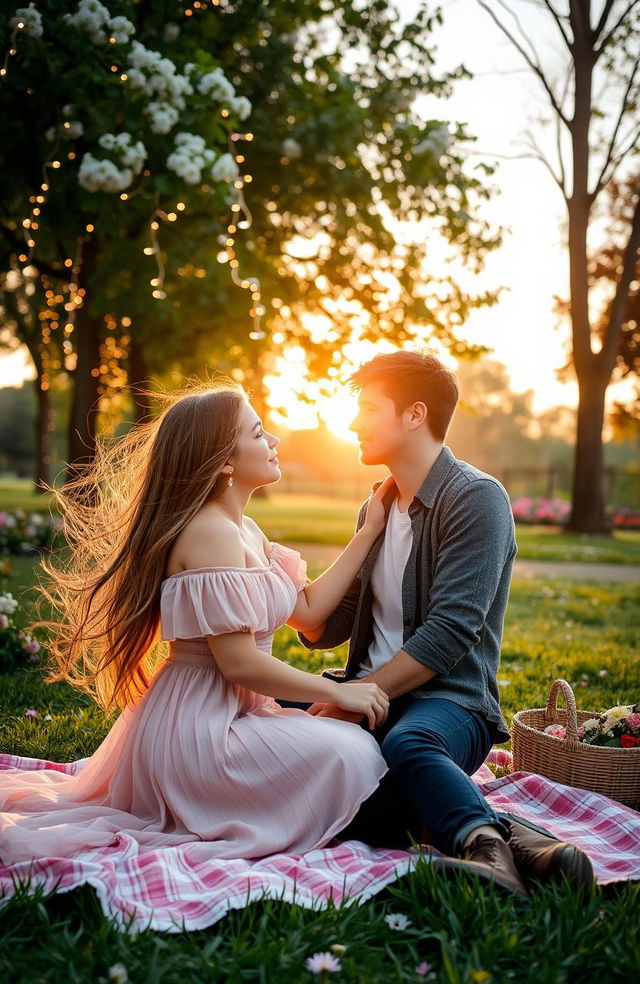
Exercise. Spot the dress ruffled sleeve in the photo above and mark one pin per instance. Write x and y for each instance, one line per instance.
(290, 561)
(212, 602)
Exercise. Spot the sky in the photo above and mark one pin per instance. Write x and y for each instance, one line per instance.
(498, 104)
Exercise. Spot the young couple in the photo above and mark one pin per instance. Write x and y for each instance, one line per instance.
(225, 743)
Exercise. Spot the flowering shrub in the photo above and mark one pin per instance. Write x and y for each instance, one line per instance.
(156, 91)
(623, 518)
(24, 534)
(619, 727)
(17, 648)
(547, 512)
(555, 512)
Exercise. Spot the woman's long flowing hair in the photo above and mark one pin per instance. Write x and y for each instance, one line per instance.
(121, 518)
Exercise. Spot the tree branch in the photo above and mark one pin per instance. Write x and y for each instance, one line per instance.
(533, 65)
(618, 308)
(609, 155)
(556, 16)
(633, 141)
(597, 51)
(606, 10)
(539, 156)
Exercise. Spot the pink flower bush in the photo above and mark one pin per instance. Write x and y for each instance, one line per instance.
(550, 512)
(20, 534)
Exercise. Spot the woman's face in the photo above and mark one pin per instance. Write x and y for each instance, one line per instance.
(254, 459)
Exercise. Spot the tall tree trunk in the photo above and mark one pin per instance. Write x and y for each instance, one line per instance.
(86, 380)
(588, 498)
(138, 382)
(44, 427)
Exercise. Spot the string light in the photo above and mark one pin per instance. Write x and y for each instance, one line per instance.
(228, 254)
(12, 50)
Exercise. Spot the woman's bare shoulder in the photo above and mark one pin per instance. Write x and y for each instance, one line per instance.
(210, 539)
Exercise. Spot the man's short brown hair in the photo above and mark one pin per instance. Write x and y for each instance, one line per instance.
(410, 377)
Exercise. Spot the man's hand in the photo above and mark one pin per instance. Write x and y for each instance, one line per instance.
(333, 711)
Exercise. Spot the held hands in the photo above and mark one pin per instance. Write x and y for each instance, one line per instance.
(375, 519)
(355, 701)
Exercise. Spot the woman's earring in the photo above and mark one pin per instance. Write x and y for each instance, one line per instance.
(230, 481)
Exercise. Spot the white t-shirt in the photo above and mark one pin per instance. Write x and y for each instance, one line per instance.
(386, 585)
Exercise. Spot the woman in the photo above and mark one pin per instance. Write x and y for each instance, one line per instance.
(160, 547)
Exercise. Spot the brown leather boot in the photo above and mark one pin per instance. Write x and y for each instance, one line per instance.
(491, 859)
(540, 855)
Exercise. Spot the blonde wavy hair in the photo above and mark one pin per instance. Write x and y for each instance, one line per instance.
(121, 518)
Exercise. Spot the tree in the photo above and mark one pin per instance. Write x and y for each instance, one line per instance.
(597, 137)
(27, 303)
(339, 167)
(605, 268)
(97, 162)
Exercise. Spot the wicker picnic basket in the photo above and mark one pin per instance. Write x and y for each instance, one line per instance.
(613, 772)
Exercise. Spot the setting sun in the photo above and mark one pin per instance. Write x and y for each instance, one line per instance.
(299, 403)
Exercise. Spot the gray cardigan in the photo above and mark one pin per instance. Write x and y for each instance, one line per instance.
(454, 590)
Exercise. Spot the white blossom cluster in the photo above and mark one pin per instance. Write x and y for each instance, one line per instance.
(190, 157)
(291, 149)
(105, 175)
(157, 76)
(163, 116)
(216, 85)
(225, 169)
(31, 20)
(8, 603)
(94, 19)
(70, 130)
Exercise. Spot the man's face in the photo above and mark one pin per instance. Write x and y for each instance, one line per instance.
(380, 428)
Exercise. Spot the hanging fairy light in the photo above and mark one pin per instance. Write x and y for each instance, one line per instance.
(26, 20)
(239, 208)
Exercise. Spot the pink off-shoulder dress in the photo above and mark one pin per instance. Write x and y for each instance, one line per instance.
(199, 758)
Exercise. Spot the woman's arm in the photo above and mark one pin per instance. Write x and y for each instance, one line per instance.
(242, 663)
(320, 598)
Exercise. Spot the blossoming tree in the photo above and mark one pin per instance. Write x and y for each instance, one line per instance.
(349, 187)
(116, 139)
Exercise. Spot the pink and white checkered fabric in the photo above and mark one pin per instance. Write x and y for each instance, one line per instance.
(179, 888)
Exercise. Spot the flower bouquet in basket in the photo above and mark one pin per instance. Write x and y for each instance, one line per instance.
(594, 751)
(619, 727)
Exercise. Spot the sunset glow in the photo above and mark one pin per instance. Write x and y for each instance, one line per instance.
(298, 402)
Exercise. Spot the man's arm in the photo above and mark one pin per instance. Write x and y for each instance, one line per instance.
(476, 545)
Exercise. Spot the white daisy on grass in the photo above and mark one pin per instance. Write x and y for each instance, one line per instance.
(323, 962)
(118, 973)
(397, 920)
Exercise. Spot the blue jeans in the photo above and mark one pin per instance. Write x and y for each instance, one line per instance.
(432, 747)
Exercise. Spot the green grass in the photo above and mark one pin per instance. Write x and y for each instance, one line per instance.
(467, 932)
(318, 519)
(20, 494)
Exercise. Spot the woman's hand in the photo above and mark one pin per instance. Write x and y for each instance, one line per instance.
(366, 699)
(376, 518)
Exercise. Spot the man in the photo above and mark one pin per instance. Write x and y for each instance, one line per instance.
(424, 619)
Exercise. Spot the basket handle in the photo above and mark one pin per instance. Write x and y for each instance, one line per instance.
(552, 705)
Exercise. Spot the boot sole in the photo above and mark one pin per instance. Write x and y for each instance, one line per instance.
(448, 866)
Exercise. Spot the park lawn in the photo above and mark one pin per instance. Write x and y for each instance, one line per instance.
(467, 932)
(317, 519)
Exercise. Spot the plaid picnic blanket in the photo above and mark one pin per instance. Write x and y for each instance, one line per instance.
(179, 888)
